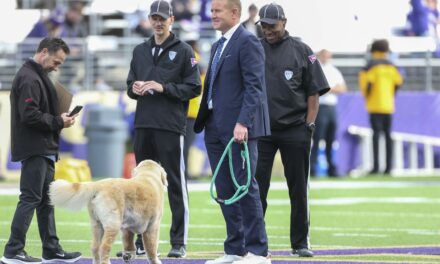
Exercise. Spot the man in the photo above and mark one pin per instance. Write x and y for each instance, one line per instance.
(163, 77)
(234, 105)
(36, 124)
(379, 81)
(294, 81)
(326, 121)
(250, 25)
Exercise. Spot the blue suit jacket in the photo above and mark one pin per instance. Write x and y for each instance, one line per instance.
(239, 89)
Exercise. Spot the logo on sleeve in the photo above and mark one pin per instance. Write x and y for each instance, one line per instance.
(28, 100)
(312, 58)
(288, 75)
(194, 62)
(172, 55)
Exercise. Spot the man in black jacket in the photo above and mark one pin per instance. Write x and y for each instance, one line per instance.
(163, 77)
(36, 123)
(294, 81)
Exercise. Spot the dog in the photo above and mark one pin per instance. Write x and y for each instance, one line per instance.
(134, 206)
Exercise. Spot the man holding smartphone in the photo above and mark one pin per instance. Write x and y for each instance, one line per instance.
(36, 123)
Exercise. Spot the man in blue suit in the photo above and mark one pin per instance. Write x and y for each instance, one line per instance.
(234, 104)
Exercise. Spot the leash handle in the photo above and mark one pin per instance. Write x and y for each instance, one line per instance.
(242, 190)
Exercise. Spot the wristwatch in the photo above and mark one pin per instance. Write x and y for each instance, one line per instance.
(311, 126)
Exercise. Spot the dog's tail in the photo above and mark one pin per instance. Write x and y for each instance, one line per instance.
(73, 196)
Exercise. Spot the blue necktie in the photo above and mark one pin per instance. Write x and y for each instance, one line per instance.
(213, 68)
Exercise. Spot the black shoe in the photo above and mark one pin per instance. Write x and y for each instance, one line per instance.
(302, 252)
(373, 172)
(61, 256)
(21, 258)
(177, 252)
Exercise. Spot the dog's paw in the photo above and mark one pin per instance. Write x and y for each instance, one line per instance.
(155, 261)
(128, 256)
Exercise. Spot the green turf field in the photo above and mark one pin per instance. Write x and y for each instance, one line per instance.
(348, 213)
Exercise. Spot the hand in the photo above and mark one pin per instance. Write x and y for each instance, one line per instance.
(68, 121)
(152, 86)
(240, 133)
(137, 87)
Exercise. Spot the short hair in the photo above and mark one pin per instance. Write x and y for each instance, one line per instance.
(380, 45)
(53, 45)
(252, 7)
(235, 3)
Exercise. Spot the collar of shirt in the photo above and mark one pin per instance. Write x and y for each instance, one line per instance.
(228, 36)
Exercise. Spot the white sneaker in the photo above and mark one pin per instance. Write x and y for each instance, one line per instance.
(253, 259)
(225, 259)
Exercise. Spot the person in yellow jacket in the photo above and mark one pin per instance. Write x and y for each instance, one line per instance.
(193, 109)
(379, 81)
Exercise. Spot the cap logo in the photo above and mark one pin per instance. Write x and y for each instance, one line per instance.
(172, 55)
(312, 58)
(288, 75)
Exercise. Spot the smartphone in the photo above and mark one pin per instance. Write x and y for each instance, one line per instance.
(75, 110)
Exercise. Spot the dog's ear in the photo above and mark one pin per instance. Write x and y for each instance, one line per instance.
(163, 176)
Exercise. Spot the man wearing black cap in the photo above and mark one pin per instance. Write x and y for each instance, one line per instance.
(163, 77)
(294, 81)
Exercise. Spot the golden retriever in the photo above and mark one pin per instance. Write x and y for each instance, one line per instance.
(135, 206)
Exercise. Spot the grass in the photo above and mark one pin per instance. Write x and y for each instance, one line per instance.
(387, 212)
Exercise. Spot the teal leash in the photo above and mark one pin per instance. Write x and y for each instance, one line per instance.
(242, 190)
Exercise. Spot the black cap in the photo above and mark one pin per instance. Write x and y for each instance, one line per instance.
(271, 14)
(161, 8)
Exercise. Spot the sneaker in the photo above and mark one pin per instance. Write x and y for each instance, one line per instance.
(61, 256)
(225, 259)
(177, 252)
(21, 258)
(253, 259)
(302, 252)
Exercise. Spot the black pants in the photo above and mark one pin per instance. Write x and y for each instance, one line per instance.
(294, 145)
(166, 148)
(37, 173)
(382, 123)
(325, 130)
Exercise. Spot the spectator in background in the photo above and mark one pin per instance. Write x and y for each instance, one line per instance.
(74, 26)
(143, 27)
(51, 26)
(423, 18)
(379, 81)
(250, 25)
(326, 121)
(182, 9)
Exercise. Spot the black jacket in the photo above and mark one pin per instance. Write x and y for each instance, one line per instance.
(35, 119)
(177, 71)
(292, 74)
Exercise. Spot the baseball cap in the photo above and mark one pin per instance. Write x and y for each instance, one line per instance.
(271, 14)
(57, 15)
(161, 8)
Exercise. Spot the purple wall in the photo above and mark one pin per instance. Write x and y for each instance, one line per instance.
(416, 113)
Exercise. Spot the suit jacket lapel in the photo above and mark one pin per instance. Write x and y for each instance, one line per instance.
(226, 49)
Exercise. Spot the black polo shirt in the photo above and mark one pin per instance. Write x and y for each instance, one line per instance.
(293, 73)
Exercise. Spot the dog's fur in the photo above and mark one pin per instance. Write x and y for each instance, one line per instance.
(135, 206)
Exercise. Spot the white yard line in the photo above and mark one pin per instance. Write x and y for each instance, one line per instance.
(198, 187)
